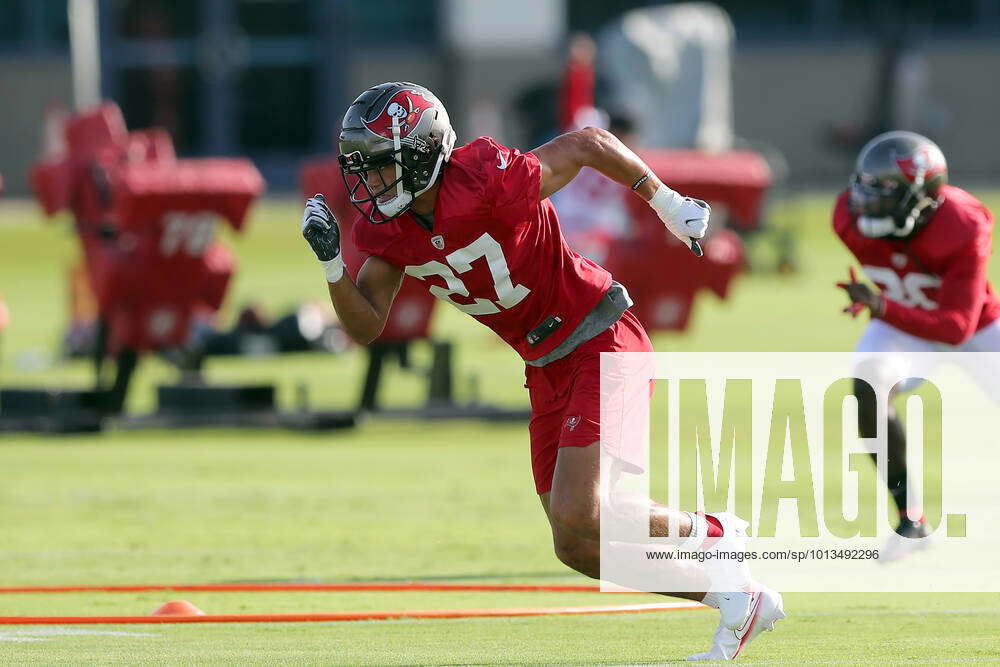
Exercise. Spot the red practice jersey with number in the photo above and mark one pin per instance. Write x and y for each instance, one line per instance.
(934, 284)
(495, 251)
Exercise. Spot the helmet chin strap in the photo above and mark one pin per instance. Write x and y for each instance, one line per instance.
(876, 228)
(402, 198)
(908, 225)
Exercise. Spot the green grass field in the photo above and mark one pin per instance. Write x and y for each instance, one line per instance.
(388, 501)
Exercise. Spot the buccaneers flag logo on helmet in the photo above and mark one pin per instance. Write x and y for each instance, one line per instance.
(406, 108)
(925, 161)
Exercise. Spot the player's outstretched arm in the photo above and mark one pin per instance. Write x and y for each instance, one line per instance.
(362, 307)
(563, 157)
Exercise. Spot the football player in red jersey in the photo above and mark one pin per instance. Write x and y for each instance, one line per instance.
(433, 211)
(926, 245)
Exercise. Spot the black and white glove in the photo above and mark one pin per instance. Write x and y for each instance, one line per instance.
(321, 231)
(686, 218)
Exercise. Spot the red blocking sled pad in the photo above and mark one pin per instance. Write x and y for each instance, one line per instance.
(146, 223)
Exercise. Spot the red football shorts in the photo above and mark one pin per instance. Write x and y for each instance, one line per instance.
(566, 396)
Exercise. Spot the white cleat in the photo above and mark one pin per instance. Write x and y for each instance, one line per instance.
(734, 608)
(766, 607)
(912, 536)
(731, 585)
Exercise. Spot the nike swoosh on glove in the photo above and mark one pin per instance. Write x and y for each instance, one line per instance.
(686, 218)
(690, 220)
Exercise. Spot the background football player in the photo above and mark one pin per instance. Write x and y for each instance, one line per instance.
(475, 224)
(926, 245)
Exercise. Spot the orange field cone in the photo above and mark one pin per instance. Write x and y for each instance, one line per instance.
(177, 608)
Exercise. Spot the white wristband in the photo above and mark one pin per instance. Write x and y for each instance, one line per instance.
(665, 202)
(334, 269)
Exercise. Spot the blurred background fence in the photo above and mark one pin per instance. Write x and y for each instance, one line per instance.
(269, 79)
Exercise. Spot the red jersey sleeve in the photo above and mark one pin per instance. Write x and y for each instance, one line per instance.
(961, 297)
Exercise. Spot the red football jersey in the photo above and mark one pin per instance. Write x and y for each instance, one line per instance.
(934, 284)
(495, 251)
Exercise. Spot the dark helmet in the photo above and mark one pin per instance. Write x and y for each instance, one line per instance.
(393, 123)
(896, 184)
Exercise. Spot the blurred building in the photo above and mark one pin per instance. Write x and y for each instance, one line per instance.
(270, 78)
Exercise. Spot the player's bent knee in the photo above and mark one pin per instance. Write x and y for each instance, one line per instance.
(578, 516)
(579, 555)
